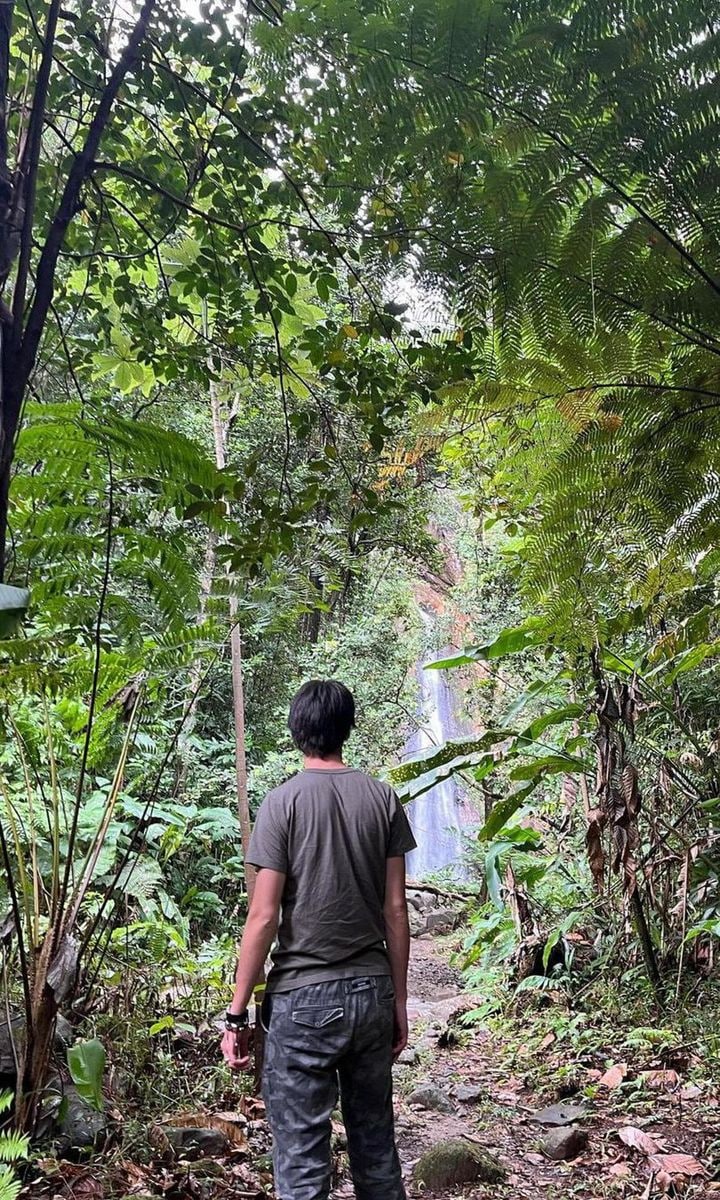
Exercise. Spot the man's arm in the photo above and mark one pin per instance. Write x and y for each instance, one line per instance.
(397, 937)
(260, 929)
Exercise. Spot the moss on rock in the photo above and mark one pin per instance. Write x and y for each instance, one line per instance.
(455, 1161)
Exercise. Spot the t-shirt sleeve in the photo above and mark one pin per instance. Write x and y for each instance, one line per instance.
(401, 840)
(269, 841)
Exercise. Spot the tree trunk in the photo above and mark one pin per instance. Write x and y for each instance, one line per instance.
(207, 576)
(220, 432)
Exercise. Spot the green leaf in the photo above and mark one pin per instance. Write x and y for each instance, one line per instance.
(123, 376)
(492, 876)
(166, 1022)
(503, 811)
(510, 641)
(550, 764)
(86, 1062)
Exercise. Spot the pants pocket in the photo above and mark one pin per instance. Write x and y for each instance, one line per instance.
(317, 1018)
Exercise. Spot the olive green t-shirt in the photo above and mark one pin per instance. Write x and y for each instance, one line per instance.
(330, 832)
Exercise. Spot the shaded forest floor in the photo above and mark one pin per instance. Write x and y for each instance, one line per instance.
(495, 1081)
(649, 1114)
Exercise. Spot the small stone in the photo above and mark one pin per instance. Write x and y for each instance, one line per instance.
(409, 1057)
(191, 1142)
(564, 1143)
(469, 1093)
(456, 1161)
(560, 1114)
(429, 1096)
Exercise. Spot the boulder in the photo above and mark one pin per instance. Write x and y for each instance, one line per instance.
(456, 1161)
(64, 1033)
(564, 1142)
(415, 900)
(70, 1121)
(429, 1096)
(442, 920)
(193, 1142)
(14, 1033)
(470, 1093)
(417, 922)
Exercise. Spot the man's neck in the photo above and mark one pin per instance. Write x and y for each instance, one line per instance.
(322, 764)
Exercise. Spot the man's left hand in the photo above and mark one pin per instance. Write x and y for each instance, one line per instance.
(236, 1048)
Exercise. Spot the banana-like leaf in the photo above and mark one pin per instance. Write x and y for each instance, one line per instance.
(417, 775)
(504, 810)
(86, 1062)
(511, 641)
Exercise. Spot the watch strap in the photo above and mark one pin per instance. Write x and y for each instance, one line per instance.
(234, 1021)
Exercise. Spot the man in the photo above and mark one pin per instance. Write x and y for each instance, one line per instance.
(329, 845)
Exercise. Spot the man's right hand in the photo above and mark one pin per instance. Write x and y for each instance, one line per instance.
(400, 1036)
(236, 1049)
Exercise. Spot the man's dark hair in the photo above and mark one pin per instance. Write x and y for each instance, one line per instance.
(321, 717)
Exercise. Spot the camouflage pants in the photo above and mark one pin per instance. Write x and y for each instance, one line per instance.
(325, 1038)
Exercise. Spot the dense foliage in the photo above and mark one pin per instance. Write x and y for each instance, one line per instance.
(274, 279)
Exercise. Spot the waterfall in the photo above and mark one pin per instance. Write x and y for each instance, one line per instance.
(442, 816)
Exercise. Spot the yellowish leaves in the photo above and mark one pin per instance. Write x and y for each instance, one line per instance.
(609, 422)
(349, 331)
(455, 158)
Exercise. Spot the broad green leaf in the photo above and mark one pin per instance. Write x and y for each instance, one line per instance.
(503, 812)
(510, 641)
(86, 1062)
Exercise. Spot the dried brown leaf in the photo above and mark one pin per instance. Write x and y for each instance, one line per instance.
(613, 1077)
(201, 1120)
(594, 844)
(637, 1139)
(677, 1164)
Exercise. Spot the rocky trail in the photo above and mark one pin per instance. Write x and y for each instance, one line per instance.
(525, 1110)
(523, 1120)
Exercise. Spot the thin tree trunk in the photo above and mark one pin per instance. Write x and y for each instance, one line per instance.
(236, 659)
(220, 431)
(207, 575)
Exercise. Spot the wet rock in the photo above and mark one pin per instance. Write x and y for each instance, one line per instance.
(560, 1114)
(191, 1142)
(563, 1143)
(64, 1033)
(429, 1096)
(74, 1124)
(456, 1161)
(469, 1093)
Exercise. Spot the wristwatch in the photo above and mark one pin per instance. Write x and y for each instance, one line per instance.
(237, 1021)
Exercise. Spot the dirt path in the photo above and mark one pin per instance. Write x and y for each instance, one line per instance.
(490, 1094)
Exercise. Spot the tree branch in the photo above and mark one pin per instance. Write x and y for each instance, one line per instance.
(47, 265)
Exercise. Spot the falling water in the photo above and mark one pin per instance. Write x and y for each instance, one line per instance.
(440, 817)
